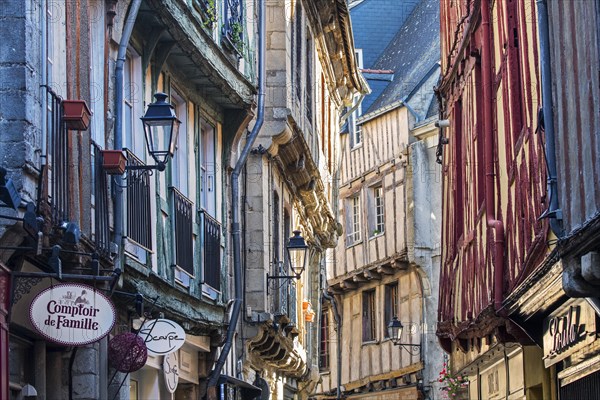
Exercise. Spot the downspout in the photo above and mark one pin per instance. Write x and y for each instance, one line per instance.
(338, 323)
(492, 221)
(118, 142)
(235, 200)
(553, 213)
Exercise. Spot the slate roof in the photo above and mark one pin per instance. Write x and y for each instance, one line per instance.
(413, 55)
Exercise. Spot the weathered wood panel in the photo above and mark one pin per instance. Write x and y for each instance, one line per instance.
(576, 102)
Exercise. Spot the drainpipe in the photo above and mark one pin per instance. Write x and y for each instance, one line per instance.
(492, 221)
(554, 212)
(118, 142)
(235, 200)
(338, 323)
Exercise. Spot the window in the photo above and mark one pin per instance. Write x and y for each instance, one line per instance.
(309, 79)
(208, 169)
(376, 212)
(324, 341)
(368, 316)
(353, 220)
(390, 305)
(355, 128)
(132, 110)
(297, 54)
(180, 161)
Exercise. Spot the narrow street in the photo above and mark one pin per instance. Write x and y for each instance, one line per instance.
(300, 199)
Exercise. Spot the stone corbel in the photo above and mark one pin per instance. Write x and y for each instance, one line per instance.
(280, 139)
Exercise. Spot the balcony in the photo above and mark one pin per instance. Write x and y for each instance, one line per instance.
(56, 189)
(211, 256)
(184, 238)
(101, 203)
(139, 227)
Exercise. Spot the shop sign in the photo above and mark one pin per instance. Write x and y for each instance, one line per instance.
(171, 371)
(162, 336)
(72, 314)
(567, 330)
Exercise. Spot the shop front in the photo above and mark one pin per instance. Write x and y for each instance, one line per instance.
(570, 343)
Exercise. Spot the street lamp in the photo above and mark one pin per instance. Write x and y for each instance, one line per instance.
(395, 329)
(297, 250)
(161, 128)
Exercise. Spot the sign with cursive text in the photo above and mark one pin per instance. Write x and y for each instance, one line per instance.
(162, 336)
(567, 330)
(72, 314)
(171, 371)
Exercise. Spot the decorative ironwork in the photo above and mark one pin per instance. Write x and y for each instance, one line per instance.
(138, 203)
(233, 24)
(22, 286)
(211, 239)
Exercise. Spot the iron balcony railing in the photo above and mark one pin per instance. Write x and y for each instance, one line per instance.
(184, 237)
(211, 257)
(101, 203)
(138, 204)
(56, 189)
(284, 294)
(233, 27)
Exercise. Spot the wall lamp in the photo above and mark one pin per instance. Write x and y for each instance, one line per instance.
(395, 329)
(297, 250)
(161, 129)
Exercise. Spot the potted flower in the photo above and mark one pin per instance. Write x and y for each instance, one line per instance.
(76, 114)
(114, 161)
(454, 384)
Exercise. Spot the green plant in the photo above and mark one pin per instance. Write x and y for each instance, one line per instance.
(237, 36)
(453, 384)
(210, 13)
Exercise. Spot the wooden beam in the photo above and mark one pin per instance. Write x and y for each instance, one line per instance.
(400, 264)
(347, 285)
(389, 375)
(371, 274)
(359, 278)
(385, 270)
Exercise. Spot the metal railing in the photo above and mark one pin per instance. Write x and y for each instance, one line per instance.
(101, 203)
(211, 234)
(56, 189)
(233, 27)
(139, 218)
(184, 239)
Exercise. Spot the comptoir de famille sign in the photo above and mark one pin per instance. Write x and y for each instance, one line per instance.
(72, 314)
(566, 330)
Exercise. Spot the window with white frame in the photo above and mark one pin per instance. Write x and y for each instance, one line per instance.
(376, 211)
(355, 128)
(132, 107)
(181, 156)
(353, 220)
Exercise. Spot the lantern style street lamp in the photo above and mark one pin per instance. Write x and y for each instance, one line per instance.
(297, 250)
(161, 128)
(395, 329)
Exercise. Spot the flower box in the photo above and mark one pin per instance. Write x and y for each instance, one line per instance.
(113, 162)
(76, 114)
